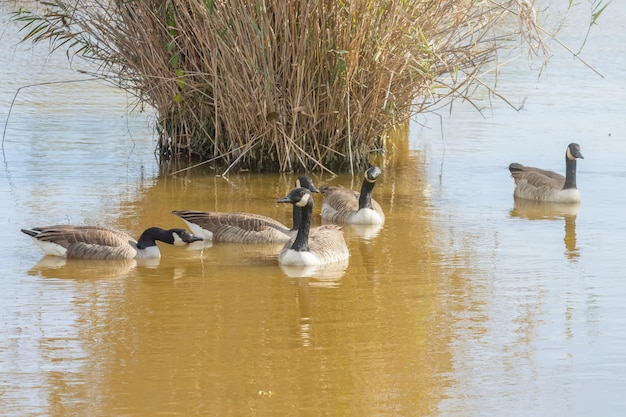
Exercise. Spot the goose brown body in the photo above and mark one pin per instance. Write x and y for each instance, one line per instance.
(238, 227)
(343, 205)
(96, 242)
(542, 185)
(235, 227)
(312, 246)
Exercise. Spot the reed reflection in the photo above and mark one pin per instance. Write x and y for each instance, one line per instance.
(305, 320)
(532, 210)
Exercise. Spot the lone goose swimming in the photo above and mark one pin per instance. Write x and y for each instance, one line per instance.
(243, 227)
(343, 205)
(540, 185)
(95, 242)
(318, 246)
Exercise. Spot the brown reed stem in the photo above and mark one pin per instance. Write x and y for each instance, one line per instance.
(280, 85)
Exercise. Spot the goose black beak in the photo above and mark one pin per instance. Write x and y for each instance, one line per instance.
(373, 173)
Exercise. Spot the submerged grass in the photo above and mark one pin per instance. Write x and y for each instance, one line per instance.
(274, 85)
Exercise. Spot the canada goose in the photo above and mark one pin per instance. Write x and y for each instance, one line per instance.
(539, 185)
(342, 205)
(243, 227)
(317, 246)
(95, 242)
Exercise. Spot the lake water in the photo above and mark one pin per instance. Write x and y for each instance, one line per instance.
(463, 304)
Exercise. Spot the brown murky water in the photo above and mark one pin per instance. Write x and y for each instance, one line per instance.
(225, 331)
(463, 303)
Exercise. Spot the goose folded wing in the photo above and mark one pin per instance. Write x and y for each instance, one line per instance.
(257, 232)
(341, 198)
(519, 171)
(328, 242)
(67, 235)
(540, 178)
(82, 250)
(213, 220)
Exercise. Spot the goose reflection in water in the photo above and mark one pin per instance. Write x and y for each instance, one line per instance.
(326, 276)
(362, 231)
(57, 267)
(533, 210)
(304, 278)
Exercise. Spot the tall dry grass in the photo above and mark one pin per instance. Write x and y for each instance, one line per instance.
(286, 85)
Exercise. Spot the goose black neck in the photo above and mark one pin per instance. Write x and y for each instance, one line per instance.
(150, 236)
(570, 173)
(297, 217)
(301, 244)
(365, 199)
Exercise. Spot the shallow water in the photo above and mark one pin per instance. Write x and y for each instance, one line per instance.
(464, 303)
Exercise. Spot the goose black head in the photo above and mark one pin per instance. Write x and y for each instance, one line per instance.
(306, 182)
(573, 152)
(300, 197)
(372, 173)
(183, 237)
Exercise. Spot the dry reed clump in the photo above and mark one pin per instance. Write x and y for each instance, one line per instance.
(285, 85)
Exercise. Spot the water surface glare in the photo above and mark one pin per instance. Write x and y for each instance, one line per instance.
(465, 302)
